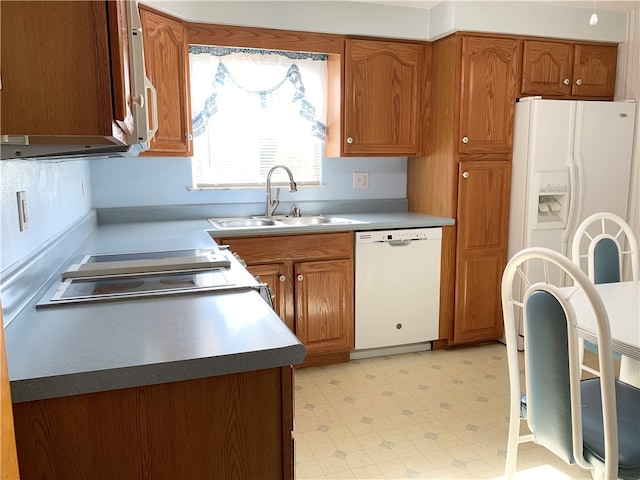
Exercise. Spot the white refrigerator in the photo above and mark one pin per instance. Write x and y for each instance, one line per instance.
(570, 159)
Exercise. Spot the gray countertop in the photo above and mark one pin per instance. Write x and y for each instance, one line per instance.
(362, 222)
(84, 348)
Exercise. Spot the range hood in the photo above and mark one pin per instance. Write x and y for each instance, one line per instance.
(42, 133)
(58, 147)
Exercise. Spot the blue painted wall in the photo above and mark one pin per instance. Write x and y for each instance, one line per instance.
(55, 201)
(144, 181)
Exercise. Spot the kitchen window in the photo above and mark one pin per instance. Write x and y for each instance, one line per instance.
(253, 109)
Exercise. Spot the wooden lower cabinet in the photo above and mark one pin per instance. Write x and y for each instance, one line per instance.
(483, 229)
(311, 278)
(231, 426)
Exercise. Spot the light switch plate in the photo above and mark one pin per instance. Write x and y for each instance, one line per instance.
(22, 210)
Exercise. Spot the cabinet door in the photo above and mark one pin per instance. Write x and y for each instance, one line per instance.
(594, 70)
(56, 71)
(546, 68)
(487, 102)
(324, 305)
(279, 278)
(483, 228)
(166, 45)
(381, 98)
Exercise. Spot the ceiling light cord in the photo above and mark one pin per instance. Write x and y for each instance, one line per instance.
(594, 16)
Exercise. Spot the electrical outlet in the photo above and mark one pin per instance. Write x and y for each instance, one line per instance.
(360, 180)
(22, 210)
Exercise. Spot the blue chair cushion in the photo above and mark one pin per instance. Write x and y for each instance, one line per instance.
(628, 409)
(606, 262)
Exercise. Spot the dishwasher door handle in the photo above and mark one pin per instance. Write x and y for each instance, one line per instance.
(399, 243)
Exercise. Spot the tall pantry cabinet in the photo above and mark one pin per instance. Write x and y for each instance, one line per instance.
(466, 174)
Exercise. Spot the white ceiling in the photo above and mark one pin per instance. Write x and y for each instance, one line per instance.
(616, 5)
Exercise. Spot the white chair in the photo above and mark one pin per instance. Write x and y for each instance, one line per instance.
(594, 423)
(602, 245)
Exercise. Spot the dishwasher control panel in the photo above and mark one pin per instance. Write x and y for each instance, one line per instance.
(399, 235)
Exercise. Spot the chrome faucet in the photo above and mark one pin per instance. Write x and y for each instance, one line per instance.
(273, 204)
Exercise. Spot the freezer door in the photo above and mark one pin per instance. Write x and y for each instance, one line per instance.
(603, 147)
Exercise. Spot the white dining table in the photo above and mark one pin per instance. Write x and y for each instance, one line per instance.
(622, 302)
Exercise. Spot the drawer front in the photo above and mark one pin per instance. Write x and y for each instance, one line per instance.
(277, 248)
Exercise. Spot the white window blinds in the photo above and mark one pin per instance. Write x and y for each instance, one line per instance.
(253, 109)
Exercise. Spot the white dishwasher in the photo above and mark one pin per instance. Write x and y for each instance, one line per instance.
(397, 283)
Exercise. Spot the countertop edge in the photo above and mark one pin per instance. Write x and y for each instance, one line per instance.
(144, 375)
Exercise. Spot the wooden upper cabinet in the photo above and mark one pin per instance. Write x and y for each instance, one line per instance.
(382, 83)
(166, 51)
(57, 70)
(546, 68)
(489, 88)
(568, 70)
(594, 70)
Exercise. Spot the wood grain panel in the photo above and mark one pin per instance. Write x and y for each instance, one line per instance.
(279, 277)
(324, 305)
(71, 62)
(483, 229)
(276, 248)
(8, 454)
(546, 68)
(432, 180)
(478, 301)
(489, 89)
(167, 64)
(270, 39)
(318, 308)
(483, 212)
(595, 67)
(382, 97)
(208, 428)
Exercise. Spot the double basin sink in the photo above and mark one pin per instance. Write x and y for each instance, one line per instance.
(280, 221)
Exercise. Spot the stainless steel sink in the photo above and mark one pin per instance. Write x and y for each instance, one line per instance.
(313, 220)
(279, 221)
(241, 222)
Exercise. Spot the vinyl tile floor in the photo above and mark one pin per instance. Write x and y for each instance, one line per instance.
(434, 414)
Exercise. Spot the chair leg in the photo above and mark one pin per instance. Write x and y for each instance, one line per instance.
(512, 447)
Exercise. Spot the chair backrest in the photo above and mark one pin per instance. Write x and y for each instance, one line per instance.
(601, 243)
(552, 365)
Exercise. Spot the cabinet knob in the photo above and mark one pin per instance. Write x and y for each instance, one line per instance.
(189, 137)
(566, 81)
(465, 174)
(138, 100)
(282, 278)
(465, 139)
(300, 278)
(349, 140)
(578, 82)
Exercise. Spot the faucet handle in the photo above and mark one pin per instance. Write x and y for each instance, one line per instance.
(296, 211)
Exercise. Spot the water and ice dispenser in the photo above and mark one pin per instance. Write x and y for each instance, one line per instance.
(552, 196)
